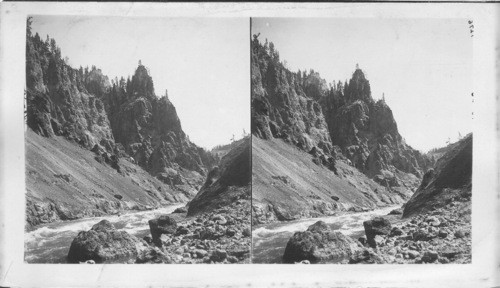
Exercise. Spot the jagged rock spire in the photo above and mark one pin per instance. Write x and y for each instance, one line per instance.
(359, 87)
(142, 83)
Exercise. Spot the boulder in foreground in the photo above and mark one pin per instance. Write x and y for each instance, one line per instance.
(374, 227)
(320, 244)
(161, 225)
(103, 243)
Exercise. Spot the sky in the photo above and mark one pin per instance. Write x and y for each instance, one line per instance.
(203, 62)
(423, 66)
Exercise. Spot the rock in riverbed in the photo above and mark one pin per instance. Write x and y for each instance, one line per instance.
(161, 225)
(426, 238)
(103, 243)
(225, 240)
(181, 210)
(220, 236)
(319, 244)
(374, 227)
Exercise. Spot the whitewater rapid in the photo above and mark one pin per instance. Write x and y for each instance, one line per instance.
(50, 243)
(269, 241)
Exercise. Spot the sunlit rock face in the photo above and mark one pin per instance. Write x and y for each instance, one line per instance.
(226, 183)
(59, 101)
(84, 106)
(367, 132)
(338, 121)
(150, 130)
(122, 122)
(339, 127)
(281, 105)
(449, 180)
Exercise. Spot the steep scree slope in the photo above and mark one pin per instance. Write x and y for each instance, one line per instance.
(450, 179)
(65, 182)
(227, 183)
(287, 185)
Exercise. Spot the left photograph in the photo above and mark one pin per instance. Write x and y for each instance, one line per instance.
(137, 143)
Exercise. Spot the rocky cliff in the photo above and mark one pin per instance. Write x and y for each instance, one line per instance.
(449, 180)
(226, 183)
(122, 123)
(337, 125)
(57, 101)
(280, 106)
(367, 133)
(150, 130)
(342, 120)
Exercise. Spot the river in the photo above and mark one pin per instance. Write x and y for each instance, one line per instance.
(50, 243)
(269, 241)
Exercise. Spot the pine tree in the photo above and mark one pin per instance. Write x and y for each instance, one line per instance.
(37, 41)
(129, 87)
(255, 42)
(346, 87)
(122, 84)
(29, 21)
(53, 45)
(271, 49)
(58, 53)
(47, 42)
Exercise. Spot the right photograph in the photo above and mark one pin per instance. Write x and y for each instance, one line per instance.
(361, 140)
